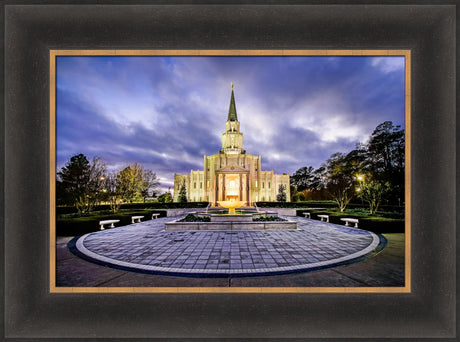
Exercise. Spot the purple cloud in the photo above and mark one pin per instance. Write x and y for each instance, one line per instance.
(167, 112)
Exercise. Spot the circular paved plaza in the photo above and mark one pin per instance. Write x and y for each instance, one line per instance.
(147, 247)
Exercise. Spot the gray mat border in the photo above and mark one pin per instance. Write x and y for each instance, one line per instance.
(31, 312)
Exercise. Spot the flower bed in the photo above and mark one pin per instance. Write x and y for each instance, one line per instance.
(268, 219)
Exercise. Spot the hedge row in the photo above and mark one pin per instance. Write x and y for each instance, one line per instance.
(374, 224)
(61, 210)
(305, 204)
(87, 224)
(324, 204)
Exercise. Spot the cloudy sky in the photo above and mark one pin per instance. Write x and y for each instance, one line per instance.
(167, 112)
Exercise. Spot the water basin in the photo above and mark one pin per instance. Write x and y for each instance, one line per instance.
(241, 220)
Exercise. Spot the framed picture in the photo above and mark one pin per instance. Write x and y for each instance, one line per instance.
(38, 36)
(95, 109)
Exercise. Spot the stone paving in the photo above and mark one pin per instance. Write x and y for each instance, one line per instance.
(147, 247)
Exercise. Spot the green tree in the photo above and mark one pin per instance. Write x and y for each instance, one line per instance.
(340, 178)
(112, 192)
(281, 197)
(97, 174)
(73, 177)
(149, 184)
(136, 183)
(386, 149)
(80, 183)
(307, 178)
(386, 158)
(62, 196)
(130, 182)
(295, 194)
(165, 198)
(301, 197)
(182, 193)
(372, 191)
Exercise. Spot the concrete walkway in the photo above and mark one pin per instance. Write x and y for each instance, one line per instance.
(384, 269)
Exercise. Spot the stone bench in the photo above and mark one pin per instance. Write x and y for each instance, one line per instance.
(155, 216)
(307, 215)
(324, 218)
(134, 218)
(111, 222)
(352, 220)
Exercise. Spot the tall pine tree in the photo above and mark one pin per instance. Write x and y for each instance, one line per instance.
(182, 193)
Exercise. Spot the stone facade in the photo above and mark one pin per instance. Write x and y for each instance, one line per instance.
(231, 172)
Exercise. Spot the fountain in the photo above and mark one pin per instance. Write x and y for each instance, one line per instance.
(218, 219)
(232, 201)
(231, 204)
(245, 219)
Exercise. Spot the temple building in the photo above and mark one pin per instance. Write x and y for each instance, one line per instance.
(231, 173)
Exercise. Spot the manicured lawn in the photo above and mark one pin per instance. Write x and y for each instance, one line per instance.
(72, 224)
(381, 222)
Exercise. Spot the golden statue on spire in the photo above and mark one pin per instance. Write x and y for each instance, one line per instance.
(232, 85)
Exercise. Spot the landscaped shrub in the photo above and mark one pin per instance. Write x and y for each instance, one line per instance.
(326, 204)
(268, 219)
(70, 225)
(383, 223)
(65, 209)
(193, 218)
(382, 207)
(149, 205)
(306, 204)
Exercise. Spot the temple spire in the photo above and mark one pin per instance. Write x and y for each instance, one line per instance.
(232, 110)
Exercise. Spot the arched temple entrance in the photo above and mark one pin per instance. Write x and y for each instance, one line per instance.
(232, 182)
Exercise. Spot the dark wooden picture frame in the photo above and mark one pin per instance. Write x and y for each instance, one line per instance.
(31, 311)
